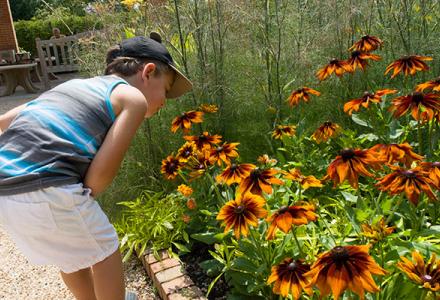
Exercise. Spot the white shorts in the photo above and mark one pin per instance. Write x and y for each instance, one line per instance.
(62, 226)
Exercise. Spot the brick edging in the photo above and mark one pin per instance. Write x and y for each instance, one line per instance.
(169, 278)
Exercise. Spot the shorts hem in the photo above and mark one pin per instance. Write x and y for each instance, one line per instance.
(91, 262)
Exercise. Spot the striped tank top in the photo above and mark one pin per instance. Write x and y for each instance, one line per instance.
(53, 140)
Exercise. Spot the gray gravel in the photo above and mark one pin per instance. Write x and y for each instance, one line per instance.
(20, 280)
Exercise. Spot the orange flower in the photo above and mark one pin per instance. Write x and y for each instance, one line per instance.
(416, 102)
(432, 85)
(412, 182)
(345, 267)
(259, 181)
(305, 181)
(433, 169)
(425, 275)
(235, 173)
(349, 164)
(171, 167)
(339, 67)
(224, 153)
(397, 153)
(367, 43)
(198, 164)
(266, 160)
(281, 130)
(287, 216)
(355, 104)
(376, 232)
(326, 131)
(289, 277)
(408, 65)
(302, 93)
(186, 119)
(359, 59)
(185, 190)
(186, 151)
(191, 204)
(241, 213)
(208, 108)
(186, 219)
(204, 141)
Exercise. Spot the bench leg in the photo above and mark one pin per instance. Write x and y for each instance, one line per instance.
(24, 79)
(10, 81)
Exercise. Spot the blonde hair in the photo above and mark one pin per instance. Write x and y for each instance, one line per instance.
(128, 66)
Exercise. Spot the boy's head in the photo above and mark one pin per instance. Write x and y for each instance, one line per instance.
(135, 54)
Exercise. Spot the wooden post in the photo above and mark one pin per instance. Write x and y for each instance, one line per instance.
(43, 65)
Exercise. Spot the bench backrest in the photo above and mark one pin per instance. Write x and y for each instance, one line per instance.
(58, 55)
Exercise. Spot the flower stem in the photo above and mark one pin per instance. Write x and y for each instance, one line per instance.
(301, 253)
(217, 192)
(419, 136)
(394, 210)
(326, 226)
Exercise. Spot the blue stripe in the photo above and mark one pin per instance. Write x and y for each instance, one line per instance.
(64, 127)
(16, 166)
(107, 97)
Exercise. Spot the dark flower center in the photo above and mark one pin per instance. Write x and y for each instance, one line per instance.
(436, 164)
(426, 278)
(327, 124)
(409, 174)
(219, 149)
(292, 266)
(417, 97)
(187, 153)
(355, 53)
(255, 174)
(184, 114)
(334, 61)
(201, 166)
(239, 209)
(283, 209)
(368, 95)
(171, 166)
(347, 154)
(339, 254)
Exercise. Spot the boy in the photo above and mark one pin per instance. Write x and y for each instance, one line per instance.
(64, 148)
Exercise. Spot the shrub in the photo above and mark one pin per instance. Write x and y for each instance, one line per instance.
(28, 31)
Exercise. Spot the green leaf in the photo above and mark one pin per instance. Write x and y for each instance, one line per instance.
(349, 197)
(212, 267)
(359, 121)
(181, 247)
(207, 237)
(206, 212)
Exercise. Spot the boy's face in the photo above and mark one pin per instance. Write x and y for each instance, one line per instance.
(155, 89)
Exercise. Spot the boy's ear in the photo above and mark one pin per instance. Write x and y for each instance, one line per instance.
(148, 70)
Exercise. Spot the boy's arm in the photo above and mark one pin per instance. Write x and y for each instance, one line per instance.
(6, 118)
(107, 161)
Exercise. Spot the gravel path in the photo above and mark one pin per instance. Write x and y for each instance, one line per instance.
(20, 280)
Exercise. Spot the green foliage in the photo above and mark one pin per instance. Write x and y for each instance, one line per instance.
(28, 31)
(151, 221)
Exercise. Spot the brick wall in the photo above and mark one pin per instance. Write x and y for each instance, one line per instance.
(8, 39)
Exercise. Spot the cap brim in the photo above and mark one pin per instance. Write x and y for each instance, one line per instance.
(180, 86)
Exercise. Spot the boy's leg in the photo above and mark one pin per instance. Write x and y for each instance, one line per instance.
(108, 278)
(80, 283)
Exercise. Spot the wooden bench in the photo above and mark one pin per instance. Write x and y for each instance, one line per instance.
(58, 55)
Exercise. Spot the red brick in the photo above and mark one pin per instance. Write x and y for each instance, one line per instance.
(150, 259)
(169, 274)
(8, 39)
(191, 292)
(176, 284)
(164, 264)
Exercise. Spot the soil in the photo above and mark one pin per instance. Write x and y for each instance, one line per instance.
(191, 261)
